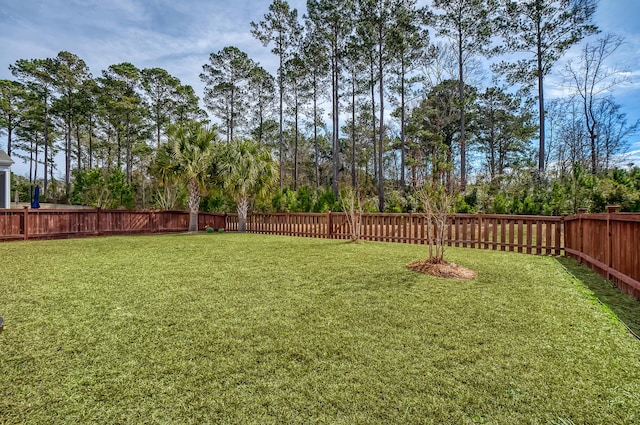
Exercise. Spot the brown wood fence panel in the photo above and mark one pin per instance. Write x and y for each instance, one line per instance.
(126, 222)
(231, 223)
(11, 224)
(538, 235)
(214, 220)
(43, 223)
(609, 244)
(172, 221)
(51, 223)
(531, 234)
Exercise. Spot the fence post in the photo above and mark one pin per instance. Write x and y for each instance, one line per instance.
(329, 225)
(480, 232)
(581, 211)
(409, 235)
(25, 223)
(287, 223)
(560, 229)
(98, 220)
(154, 222)
(611, 209)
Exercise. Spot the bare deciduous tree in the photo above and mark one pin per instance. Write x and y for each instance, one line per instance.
(353, 201)
(437, 204)
(592, 80)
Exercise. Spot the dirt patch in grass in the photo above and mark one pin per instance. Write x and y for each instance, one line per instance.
(443, 269)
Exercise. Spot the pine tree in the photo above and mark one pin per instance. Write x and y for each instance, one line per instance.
(544, 30)
(330, 21)
(280, 27)
(227, 77)
(468, 24)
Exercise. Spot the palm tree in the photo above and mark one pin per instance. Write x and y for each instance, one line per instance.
(246, 169)
(166, 173)
(192, 154)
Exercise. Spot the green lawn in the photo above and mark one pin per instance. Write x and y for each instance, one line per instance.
(228, 328)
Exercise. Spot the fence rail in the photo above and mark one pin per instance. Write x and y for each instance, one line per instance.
(609, 244)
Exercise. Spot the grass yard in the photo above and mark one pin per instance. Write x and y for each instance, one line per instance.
(256, 329)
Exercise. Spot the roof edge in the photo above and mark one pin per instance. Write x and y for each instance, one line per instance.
(5, 159)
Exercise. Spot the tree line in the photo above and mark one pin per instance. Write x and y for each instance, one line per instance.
(382, 95)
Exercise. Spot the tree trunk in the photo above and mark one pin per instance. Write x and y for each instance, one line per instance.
(46, 139)
(336, 129)
(194, 205)
(260, 123)
(280, 84)
(295, 148)
(231, 115)
(315, 131)
(128, 150)
(90, 142)
(158, 125)
(31, 169)
(353, 128)
(463, 141)
(373, 121)
(594, 156)
(67, 159)
(540, 103)
(243, 206)
(119, 149)
(51, 155)
(79, 143)
(381, 135)
(402, 130)
(68, 144)
(9, 131)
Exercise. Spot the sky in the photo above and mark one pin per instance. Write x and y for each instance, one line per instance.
(179, 36)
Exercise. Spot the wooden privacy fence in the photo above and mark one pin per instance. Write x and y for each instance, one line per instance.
(528, 234)
(52, 223)
(609, 244)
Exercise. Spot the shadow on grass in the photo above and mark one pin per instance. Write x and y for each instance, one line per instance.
(624, 306)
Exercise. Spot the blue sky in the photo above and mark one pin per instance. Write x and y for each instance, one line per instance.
(179, 35)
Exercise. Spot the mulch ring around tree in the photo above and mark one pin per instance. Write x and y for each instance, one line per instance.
(443, 269)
